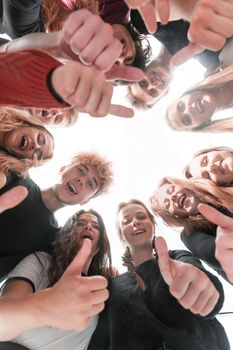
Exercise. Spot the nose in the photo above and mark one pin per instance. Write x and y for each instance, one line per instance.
(88, 226)
(135, 222)
(80, 182)
(215, 167)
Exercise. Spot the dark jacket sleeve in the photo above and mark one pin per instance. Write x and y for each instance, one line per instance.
(186, 257)
(22, 17)
(6, 345)
(202, 245)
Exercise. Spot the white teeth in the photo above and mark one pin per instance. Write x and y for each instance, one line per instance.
(23, 143)
(138, 232)
(87, 236)
(71, 188)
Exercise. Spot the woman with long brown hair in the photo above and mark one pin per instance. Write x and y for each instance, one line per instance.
(195, 109)
(143, 301)
(42, 273)
(176, 202)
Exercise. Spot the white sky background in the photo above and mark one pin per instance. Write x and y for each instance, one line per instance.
(143, 150)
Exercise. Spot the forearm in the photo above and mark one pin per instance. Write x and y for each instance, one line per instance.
(20, 314)
(41, 41)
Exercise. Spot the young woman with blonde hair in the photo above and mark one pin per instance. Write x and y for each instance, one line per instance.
(176, 202)
(195, 109)
(215, 163)
(23, 142)
(82, 292)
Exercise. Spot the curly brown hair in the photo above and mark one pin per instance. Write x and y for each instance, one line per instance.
(103, 166)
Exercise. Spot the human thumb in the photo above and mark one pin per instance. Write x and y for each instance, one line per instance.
(76, 266)
(216, 217)
(164, 260)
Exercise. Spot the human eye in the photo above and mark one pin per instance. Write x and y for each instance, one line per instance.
(153, 92)
(166, 204)
(125, 221)
(58, 119)
(186, 119)
(80, 170)
(141, 216)
(80, 223)
(171, 189)
(180, 106)
(41, 139)
(96, 226)
(205, 175)
(204, 161)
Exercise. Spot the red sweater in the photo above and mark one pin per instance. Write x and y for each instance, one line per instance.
(24, 80)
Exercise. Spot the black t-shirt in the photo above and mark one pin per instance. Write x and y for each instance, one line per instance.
(21, 17)
(174, 37)
(26, 228)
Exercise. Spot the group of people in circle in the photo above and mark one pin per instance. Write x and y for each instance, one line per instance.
(59, 288)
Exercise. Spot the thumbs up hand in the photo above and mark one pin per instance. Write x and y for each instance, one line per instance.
(74, 299)
(188, 284)
(224, 237)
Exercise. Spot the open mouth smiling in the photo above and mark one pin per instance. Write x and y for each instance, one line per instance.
(23, 142)
(71, 188)
(87, 236)
(138, 232)
(199, 106)
(181, 201)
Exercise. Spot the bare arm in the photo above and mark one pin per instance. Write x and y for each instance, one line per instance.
(68, 304)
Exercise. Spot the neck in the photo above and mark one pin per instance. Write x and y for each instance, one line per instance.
(51, 200)
(141, 254)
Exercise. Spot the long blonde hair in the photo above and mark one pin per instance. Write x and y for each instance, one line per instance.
(206, 190)
(55, 12)
(213, 82)
(11, 120)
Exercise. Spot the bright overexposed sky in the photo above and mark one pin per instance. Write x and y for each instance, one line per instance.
(143, 150)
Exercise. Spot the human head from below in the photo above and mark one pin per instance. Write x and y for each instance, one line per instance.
(176, 201)
(53, 117)
(145, 93)
(85, 224)
(192, 111)
(133, 52)
(23, 143)
(135, 224)
(215, 163)
(87, 176)
(136, 50)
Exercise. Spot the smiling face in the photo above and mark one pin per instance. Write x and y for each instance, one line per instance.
(49, 117)
(128, 53)
(216, 166)
(29, 142)
(177, 200)
(88, 227)
(191, 110)
(155, 84)
(78, 184)
(135, 225)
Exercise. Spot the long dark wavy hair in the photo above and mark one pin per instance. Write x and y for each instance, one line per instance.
(65, 248)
